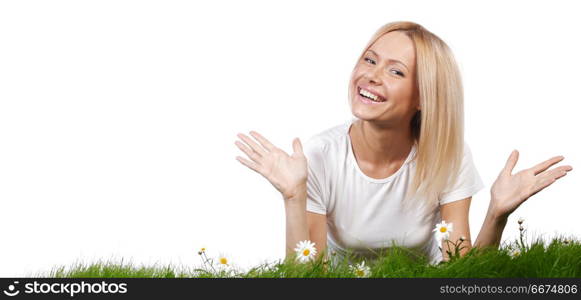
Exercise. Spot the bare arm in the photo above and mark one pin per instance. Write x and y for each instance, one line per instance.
(296, 220)
(491, 231)
(317, 224)
(288, 174)
(509, 191)
(457, 214)
(303, 225)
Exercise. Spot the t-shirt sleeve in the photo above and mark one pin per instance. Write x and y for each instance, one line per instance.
(468, 182)
(313, 150)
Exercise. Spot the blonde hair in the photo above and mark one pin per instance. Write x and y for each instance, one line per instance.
(438, 128)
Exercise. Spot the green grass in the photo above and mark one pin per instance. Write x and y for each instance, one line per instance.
(554, 259)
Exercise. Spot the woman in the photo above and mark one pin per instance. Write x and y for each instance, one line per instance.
(400, 166)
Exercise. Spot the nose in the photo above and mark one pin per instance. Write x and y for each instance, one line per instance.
(373, 75)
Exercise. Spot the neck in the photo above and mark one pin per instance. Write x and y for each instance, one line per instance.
(380, 145)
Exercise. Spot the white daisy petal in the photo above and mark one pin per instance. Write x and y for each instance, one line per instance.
(514, 253)
(442, 231)
(305, 251)
(360, 270)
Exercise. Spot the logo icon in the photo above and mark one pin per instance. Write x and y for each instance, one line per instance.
(12, 291)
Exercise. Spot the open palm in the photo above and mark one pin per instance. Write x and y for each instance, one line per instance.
(287, 173)
(510, 191)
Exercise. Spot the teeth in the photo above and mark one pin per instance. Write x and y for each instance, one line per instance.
(369, 95)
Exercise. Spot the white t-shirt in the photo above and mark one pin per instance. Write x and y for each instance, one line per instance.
(366, 214)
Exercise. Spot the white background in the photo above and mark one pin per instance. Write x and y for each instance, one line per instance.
(118, 118)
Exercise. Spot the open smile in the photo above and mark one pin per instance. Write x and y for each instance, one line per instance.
(368, 97)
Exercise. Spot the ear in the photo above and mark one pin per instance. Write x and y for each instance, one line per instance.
(418, 102)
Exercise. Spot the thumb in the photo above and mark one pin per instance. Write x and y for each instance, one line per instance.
(297, 147)
(511, 162)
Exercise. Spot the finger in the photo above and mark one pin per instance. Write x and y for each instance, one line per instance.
(253, 155)
(511, 162)
(550, 177)
(297, 147)
(556, 173)
(253, 166)
(560, 174)
(546, 164)
(263, 141)
(257, 148)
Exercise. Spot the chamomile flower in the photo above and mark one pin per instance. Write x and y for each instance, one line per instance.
(514, 253)
(305, 251)
(442, 231)
(223, 265)
(222, 261)
(360, 270)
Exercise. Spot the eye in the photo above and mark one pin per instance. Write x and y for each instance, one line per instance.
(397, 72)
(369, 60)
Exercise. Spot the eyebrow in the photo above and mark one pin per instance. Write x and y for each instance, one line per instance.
(389, 59)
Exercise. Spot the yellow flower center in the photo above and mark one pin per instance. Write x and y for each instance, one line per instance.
(360, 272)
(223, 260)
(306, 252)
(443, 229)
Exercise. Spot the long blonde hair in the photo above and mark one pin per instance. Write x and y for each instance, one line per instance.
(438, 128)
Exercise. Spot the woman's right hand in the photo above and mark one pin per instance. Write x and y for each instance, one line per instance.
(287, 173)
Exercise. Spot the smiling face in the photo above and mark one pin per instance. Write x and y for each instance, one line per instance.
(385, 75)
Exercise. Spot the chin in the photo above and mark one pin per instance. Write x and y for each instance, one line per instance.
(361, 112)
(362, 115)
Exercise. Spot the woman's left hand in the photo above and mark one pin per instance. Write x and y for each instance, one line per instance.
(510, 191)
